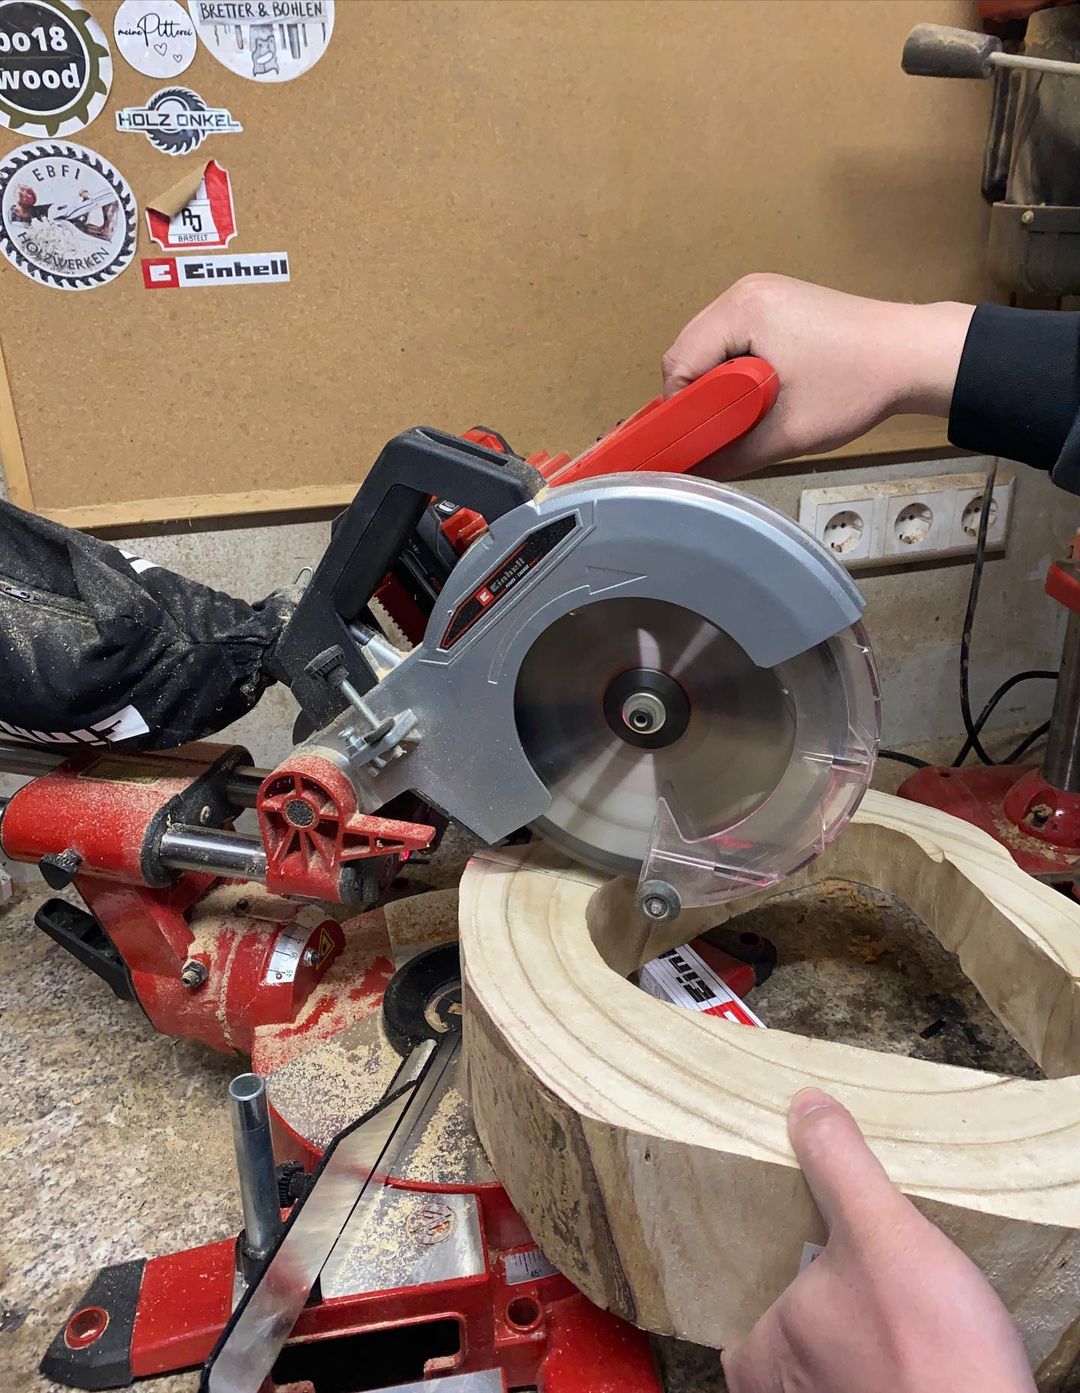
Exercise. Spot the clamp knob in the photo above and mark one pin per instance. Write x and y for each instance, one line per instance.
(59, 868)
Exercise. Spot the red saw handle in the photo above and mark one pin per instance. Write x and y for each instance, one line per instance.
(668, 437)
(673, 436)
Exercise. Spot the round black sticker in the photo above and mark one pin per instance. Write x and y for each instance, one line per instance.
(55, 69)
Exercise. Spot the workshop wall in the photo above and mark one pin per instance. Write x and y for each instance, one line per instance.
(914, 615)
(463, 212)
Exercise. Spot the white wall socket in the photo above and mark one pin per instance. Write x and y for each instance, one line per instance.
(892, 521)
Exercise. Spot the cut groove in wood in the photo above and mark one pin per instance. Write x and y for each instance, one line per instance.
(646, 1145)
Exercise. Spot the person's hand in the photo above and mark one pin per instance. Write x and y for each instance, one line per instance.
(844, 363)
(890, 1306)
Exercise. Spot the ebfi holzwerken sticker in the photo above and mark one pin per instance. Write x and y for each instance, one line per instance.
(67, 216)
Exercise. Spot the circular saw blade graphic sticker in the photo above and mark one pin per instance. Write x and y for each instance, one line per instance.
(55, 68)
(265, 40)
(67, 216)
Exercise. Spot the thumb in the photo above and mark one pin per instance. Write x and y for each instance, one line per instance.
(847, 1180)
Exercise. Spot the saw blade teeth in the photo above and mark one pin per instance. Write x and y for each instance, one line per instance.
(389, 626)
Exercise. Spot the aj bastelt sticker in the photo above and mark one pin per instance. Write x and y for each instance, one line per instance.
(177, 120)
(265, 40)
(55, 69)
(156, 37)
(67, 216)
(186, 218)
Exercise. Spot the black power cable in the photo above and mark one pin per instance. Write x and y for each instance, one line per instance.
(973, 741)
(988, 710)
(974, 727)
(902, 758)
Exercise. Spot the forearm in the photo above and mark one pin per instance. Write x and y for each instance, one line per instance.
(1017, 390)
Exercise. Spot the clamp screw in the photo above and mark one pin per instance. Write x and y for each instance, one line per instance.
(311, 957)
(193, 974)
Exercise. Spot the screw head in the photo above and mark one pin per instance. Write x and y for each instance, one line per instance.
(310, 957)
(658, 900)
(1027, 216)
(193, 974)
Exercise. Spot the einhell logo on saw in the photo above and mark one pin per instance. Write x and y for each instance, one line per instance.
(184, 272)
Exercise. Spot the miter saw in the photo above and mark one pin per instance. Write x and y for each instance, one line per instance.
(662, 676)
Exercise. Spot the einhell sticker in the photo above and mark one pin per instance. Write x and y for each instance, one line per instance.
(185, 272)
(683, 977)
(207, 219)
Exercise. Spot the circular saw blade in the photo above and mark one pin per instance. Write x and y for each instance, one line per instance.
(604, 788)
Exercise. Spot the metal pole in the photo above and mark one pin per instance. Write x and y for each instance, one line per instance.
(255, 1164)
(1061, 764)
(213, 852)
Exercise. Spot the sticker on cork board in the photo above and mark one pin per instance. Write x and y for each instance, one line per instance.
(197, 213)
(55, 67)
(155, 37)
(67, 216)
(177, 120)
(265, 40)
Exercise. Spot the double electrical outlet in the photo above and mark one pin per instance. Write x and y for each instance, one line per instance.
(893, 521)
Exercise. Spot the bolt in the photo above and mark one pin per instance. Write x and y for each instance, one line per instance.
(311, 957)
(204, 814)
(659, 900)
(1027, 216)
(193, 975)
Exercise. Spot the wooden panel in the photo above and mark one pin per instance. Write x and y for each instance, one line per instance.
(498, 213)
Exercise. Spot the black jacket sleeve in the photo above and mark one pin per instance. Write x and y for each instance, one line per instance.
(1017, 392)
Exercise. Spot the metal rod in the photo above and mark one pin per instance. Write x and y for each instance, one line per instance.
(213, 852)
(241, 787)
(1061, 763)
(1033, 64)
(255, 1163)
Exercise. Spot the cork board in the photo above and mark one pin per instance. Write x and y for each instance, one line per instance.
(496, 212)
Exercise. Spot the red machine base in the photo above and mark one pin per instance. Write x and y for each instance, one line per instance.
(517, 1316)
(1038, 825)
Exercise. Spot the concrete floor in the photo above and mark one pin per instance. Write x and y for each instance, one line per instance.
(116, 1139)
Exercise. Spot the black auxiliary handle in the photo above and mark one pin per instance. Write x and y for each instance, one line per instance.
(366, 541)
